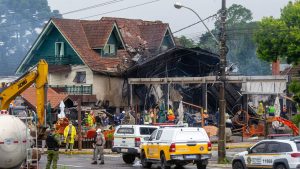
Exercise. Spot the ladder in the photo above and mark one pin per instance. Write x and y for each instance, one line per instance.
(31, 163)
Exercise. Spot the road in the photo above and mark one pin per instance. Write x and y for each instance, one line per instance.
(111, 162)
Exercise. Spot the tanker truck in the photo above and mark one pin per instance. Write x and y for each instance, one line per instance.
(14, 133)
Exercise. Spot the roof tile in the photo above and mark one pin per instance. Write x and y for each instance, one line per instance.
(85, 36)
(55, 98)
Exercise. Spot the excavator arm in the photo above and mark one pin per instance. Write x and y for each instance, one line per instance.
(39, 77)
(288, 123)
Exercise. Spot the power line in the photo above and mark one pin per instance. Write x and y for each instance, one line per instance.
(121, 9)
(66, 13)
(214, 15)
(93, 6)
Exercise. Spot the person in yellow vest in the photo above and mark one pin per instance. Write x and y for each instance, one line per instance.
(260, 110)
(69, 135)
(171, 116)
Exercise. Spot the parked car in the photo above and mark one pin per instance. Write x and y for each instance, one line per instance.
(276, 154)
(127, 140)
(178, 146)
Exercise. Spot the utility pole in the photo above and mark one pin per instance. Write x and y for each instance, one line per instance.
(222, 102)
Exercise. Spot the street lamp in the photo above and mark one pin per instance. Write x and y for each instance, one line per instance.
(178, 5)
(222, 101)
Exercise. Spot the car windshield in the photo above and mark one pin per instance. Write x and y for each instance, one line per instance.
(298, 146)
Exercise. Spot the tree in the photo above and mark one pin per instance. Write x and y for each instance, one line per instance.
(20, 23)
(185, 42)
(241, 47)
(270, 37)
(280, 39)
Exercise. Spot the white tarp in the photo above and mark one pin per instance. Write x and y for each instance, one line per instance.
(180, 114)
(277, 107)
(256, 87)
(62, 110)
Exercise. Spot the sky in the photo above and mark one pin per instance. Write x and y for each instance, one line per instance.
(164, 11)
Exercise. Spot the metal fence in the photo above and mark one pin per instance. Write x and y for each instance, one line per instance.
(74, 89)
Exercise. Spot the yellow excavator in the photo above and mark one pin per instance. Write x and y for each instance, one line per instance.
(38, 75)
(14, 142)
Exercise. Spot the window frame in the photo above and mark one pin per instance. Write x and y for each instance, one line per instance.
(265, 143)
(78, 75)
(59, 49)
(158, 135)
(270, 143)
(109, 50)
(153, 135)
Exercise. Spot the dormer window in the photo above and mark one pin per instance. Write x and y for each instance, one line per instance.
(109, 50)
(59, 49)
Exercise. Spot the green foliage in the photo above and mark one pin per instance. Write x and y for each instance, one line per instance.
(240, 42)
(280, 38)
(185, 42)
(20, 21)
(238, 14)
(270, 39)
(296, 119)
(294, 87)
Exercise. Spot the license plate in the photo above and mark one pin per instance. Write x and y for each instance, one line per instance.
(191, 156)
(124, 150)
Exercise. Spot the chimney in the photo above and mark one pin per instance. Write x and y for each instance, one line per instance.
(276, 67)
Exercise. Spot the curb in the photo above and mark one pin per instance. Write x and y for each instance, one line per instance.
(108, 151)
(234, 146)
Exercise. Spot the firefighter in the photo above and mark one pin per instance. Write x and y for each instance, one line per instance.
(69, 135)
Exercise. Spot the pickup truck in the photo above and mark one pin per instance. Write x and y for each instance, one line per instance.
(127, 140)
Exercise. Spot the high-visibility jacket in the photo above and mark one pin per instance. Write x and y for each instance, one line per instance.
(73, 134)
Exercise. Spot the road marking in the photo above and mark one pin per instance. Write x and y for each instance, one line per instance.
(71, 166)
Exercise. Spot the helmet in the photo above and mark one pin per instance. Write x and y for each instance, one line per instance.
(98, 131)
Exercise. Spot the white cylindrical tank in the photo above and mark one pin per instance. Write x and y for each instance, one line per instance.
(13, 141)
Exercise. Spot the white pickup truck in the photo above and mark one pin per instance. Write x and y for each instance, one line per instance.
(127, 140)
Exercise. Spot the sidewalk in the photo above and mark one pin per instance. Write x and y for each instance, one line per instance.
(214, 164)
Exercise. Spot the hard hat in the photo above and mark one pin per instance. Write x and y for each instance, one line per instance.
(98, 130)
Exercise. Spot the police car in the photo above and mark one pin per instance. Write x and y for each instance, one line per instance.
(276, 154)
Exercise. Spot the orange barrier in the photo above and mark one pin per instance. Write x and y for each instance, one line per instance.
(107, 133)
(288, 123)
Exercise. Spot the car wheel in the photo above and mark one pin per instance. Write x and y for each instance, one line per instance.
(280, 166)
(201, 166)
(237, 165)
(144, 163)
(163, 162)
(128, 158)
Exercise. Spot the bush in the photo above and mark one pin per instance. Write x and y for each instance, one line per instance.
(296, 119)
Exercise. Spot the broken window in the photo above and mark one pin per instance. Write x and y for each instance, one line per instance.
(80, 77)
(59, 49)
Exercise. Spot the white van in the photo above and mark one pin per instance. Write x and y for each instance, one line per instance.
(127, 140)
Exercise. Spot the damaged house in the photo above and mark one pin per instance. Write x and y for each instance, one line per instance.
(181, 62)
(90, 58)
(95, 58)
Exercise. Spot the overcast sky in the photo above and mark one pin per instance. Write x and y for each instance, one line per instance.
(164, 10)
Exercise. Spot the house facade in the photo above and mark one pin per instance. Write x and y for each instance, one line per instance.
(90, 57)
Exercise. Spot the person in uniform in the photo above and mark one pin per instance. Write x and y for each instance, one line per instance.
(98, 145)
(53, 143)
